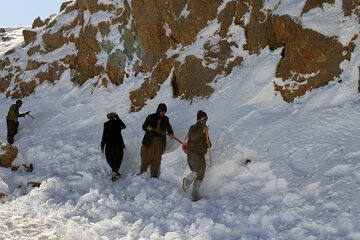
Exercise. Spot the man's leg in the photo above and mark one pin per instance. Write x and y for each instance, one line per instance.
(146, 155)
(158, 150)
(11, 128)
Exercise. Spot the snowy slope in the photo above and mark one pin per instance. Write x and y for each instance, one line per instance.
(303, 182)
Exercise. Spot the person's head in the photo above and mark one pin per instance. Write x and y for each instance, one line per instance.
(112, 115)
(201, 117)
(19, 103)
(161, 109)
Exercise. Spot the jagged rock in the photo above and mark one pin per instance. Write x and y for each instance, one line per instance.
(226, 18)
(192, 78)
(9, 52)
(116, 67)
(351, 6)
(53, 73)
(310, 60)
(65, 5)
(5, 82)
(38, 23)
(32, 64)
(104, 28)
(107, 46)
(24, 89)
(29, 36)
(310, 4)
(92, 6)
(33, 50)
(34, 184)
(7, 155)
(53, 41)
(2, 30)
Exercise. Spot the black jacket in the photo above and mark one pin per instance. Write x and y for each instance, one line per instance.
(112, 133)
(152, 121)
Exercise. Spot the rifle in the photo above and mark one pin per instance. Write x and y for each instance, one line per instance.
(155, 130)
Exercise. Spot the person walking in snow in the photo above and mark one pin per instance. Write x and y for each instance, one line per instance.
(154, 143)
(12, 120)
(113, 142)
(198, 142)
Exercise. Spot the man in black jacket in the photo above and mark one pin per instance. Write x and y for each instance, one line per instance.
(113, 142)
(198, 144)
(154, 143)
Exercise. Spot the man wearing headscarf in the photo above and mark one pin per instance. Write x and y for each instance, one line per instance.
(154, 143)
(113, 142)
(198, 142)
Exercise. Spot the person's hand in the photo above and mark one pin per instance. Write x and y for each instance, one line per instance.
(205, 129)
(149, 128)
(28, 112)
(171, 136)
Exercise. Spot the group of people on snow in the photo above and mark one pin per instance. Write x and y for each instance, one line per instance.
(156, 126)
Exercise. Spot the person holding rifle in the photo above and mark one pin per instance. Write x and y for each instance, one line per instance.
(154, 143)
(12, 120)
(198, 143)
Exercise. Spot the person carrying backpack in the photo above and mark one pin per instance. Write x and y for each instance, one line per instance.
(154, 143)
(113, 142)
(12, 120)
(198, 143)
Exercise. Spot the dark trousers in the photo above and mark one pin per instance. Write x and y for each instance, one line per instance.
(12, 128)
(114, 156)
(151, 156)
(197, 164)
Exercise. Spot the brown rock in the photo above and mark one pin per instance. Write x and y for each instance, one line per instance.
(29, 36)
(2, 195)
(104, 28)
(24, 89)
(192, 78)
(92, 6)
(32, 64)
(311, 4)
(2, 30)
(226, 18)
(38, 23)
(116, 67)
(8, 155)
(65, 5)
(53, 41)
(33, 50)
(34, 184)
(9, 52)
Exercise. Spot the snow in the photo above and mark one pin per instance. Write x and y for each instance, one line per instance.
(303, 181)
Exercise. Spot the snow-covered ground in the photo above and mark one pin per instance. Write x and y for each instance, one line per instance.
(303, 182)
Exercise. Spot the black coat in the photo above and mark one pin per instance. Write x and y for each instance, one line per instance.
(112, 133)
(152, 121)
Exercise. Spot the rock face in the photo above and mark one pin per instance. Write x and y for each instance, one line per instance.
(8, 154)
(129, 39)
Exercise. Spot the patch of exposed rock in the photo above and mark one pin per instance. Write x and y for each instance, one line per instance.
(149, 29)
(8, 154)
(309, 59)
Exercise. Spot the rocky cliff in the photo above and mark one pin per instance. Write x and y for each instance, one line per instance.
(108, 41)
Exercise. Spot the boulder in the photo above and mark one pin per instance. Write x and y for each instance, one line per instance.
(38, 23)
(29, 36)
(54, 41)
(116, 67)
(8, 154)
